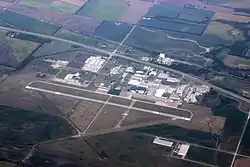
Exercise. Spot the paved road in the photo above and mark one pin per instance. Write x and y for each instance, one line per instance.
(131, 59)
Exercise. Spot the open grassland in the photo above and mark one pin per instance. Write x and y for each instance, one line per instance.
(159, 42)
(223, 31)
(136, 11)
(26, 23)
(231, 17)
(238, 4)
(104, 10)
(6, 164)
(236, 62)
(57, 5)
(86, 39)
(77, 23)
(14, 51)
(63, 7)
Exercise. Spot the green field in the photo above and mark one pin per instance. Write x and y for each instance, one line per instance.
(27, 23)
(21, 49)
(6, 164)
(53, 5)
(104, 10)
(63, 7)
(86, 39)
(224, 31)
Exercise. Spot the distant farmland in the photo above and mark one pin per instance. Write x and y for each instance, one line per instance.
(72, 22)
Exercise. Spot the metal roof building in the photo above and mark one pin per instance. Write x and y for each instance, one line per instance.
(163, 142)
(183, 149)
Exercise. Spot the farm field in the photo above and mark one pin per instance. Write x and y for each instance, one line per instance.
(14, 51)
(241, 161)
(83, 113)
(7, 164)
(136, 10)
(159, 42)
(100, 10)
(40, 127)
(20, 22)
(231, 17)
(222, 33)
(236, 62)
(87, 40)
(65, 104)
(71, 22)
(209, 156)
(56, 5)
(108, 118)
(113, 31)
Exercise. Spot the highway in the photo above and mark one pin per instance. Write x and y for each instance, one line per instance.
(130, 59)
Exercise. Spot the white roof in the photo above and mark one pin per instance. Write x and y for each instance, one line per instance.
(163, 75)
(163, 142)
(134, 82)
(183, 149)
(159, 92)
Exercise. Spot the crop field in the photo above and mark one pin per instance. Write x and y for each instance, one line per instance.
(158, 41)
(241, 161)
(83, 113)
(179, 19)
(65, 104)
(238, 4)
(76, 23)
(177, 26)
(137, 150)
(231, 17)
(20, 21)
(57, 51)
(179, 133)
(164, 11)
(180, 13)
(101, 10)
(108, 118)
(236, 62)
(219, 33)
(57, 5)
(13, 120)
(208, 156)
(7, 164)
(180, 2)
(113, 31)
(136, 11)
(14, 51)
(87, 39)
(4, 4)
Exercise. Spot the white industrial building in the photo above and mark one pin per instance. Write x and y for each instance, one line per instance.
(194, 91)
(163, 142)
(164, 60)
(183, 150)
(94, 63)
(57, 63)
